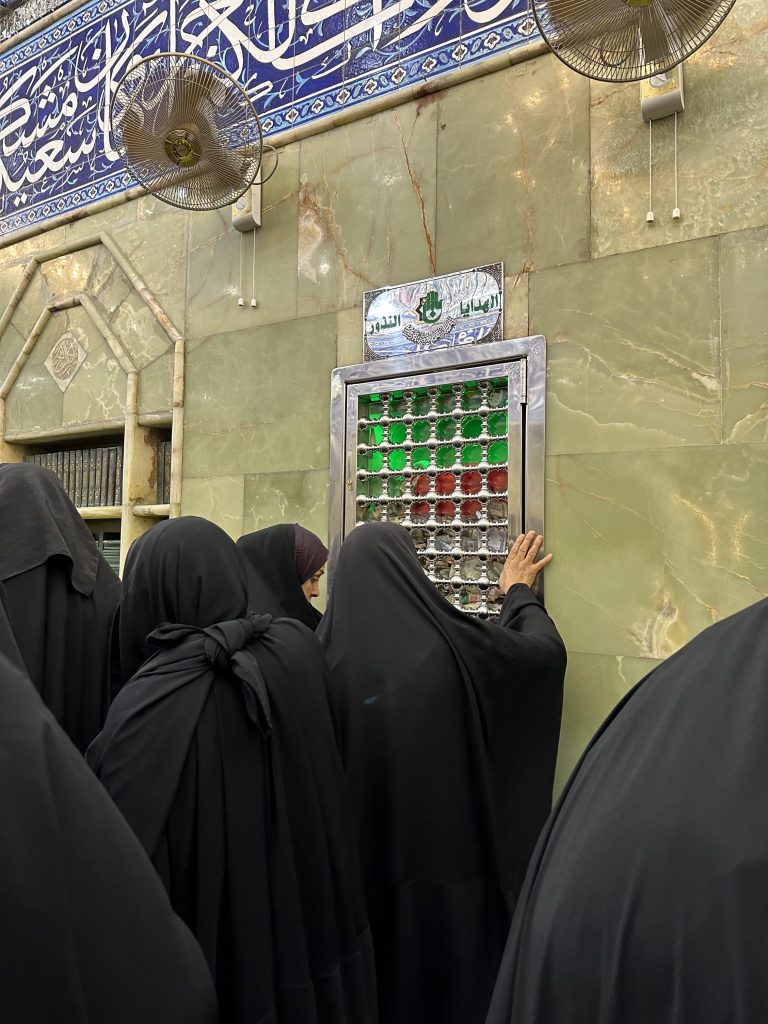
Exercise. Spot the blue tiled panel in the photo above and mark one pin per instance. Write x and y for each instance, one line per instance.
(298, 61)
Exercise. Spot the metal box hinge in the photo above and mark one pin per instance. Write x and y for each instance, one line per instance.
(523, 382)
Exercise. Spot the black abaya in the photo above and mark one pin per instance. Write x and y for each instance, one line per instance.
(646, 900)
(220, 753)
(448, 729)
(61, 597)
(87, 935)
(274, 586)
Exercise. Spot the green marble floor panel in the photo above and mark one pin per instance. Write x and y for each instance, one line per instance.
(367, 206)
(217, 251)
(633, 358)
(744, 298)
(594, 685)
(513, 169)
(217, 498)
(722, 146)
(652, 547)
(258, 400)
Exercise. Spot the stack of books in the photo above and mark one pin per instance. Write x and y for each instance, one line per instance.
(91, 476)
(163, 472)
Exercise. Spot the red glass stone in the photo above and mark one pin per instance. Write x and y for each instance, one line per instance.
(497, 480)
(471, 509)
(471, 482)
(420, 485)
(445, 483)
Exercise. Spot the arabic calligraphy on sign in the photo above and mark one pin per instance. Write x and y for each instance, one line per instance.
(299, 60)
(439, 312)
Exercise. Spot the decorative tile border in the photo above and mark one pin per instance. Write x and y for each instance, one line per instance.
(302, 64)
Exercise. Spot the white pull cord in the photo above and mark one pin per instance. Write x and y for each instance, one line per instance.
(649, 218)
(254, 304)
(676, 211)
(240, 301)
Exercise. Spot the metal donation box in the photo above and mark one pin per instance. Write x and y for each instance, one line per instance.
(450, 444)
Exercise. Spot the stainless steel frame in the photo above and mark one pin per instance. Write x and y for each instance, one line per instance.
(527, 382)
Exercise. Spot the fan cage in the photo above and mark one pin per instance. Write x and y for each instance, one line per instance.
(627, 40)
(167, 96)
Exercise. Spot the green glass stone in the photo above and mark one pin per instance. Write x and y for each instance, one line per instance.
(375, 434)
(446, 456)
(498, 452)
(497, 423)
(371, 487)
(375, 462)
(472, 397)
(375, 407)
(372, 512)
(396, 459)
(471, 426)
(420, 404)
(471, 454)
(445, 429)
(397, 433)
(420, 431)
(396, 486)
(421, 458)
(446, 400)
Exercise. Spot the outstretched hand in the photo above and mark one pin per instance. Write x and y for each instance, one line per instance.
(521, 565)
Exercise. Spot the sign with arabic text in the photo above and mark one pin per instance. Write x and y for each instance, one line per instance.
(438, 312)
(299, 60)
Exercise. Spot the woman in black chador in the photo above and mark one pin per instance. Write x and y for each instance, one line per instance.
(61, 597)
(646, 901)
(448, 728)
(86, 931)
(220, 753)
(285, 563)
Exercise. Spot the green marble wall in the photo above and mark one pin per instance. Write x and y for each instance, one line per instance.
(657, 415)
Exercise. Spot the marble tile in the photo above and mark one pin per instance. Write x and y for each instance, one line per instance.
(257, 400)
(31, 305)
(367, 206)
(633, 356)
(349, 336)
(98, 390)
(513, 169)
(138, 330)
(35, 401)
(11, 344)
(217, 498)
(108, 283)
(69, 274)
(215, 252)
(744, 299)
(21, 251)
(652, 547)
(156, 385)
(722, 146)
(288, 498)
(516, 318)
(594, 685)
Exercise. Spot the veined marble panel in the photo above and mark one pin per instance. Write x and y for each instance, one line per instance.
(218, 498)
(217, 251)
(744, 297)
(594, 685)
(653, 546)
(722, 145)
(633, 354)
(257, 400)
(367, 206)
(156, 385)
(513, 169)
(516, 306)
(349, 336)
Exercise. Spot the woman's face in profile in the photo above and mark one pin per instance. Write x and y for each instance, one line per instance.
(311, 587)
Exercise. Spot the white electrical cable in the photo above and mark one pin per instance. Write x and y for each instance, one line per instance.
(676, 211)
(253, 272)
(240, 293)
(649, 218)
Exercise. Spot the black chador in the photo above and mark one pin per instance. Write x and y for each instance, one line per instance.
(220, 753)
(61, 597)
(273, 580)
(86, 930)
(646, 901)
(448, 728)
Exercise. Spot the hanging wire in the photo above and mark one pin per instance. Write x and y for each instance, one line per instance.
(676, 210)
(253, 272)
(649, 218)
(240, 301)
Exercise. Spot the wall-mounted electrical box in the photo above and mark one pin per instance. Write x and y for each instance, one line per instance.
(449, 444)
(662, 95)
(246, 212)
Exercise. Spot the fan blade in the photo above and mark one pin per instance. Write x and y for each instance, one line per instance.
(654, 37)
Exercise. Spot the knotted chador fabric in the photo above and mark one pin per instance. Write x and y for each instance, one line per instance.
(647, 897)
(86, 930)
(448, 728)
(221, 755)
(61, 597)
(277, 559)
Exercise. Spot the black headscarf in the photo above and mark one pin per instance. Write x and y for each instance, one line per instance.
(61, 597)
(220, 753)
(448, 728)
(647, 897)
(86, 930)
(273, 577)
